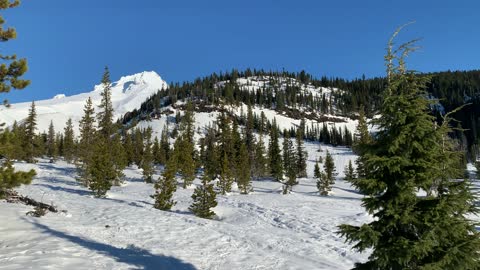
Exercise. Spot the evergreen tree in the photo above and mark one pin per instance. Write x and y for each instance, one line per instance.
(147, 164)
(138, 147)
(301, 155)
(225, 180)
(51, 143)
(101, 170)
(261, 162)
(185, 147)
(326, 179)
(210, 160)
(68, 142)
(274, 157)
(243, 176)
(411, 153)
(204, 199)
(166, 186)
(156, 151)
(362, 140)
(316, 170)
(9, 178)
(290, 165)
(349, 172)
(86, 144)
(105, 113)
(164, 151)
(129, 148)
(30, 127)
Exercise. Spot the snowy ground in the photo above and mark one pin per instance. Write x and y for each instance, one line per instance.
(262, 230)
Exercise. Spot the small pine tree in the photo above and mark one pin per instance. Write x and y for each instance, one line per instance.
(327, 178)
(316, 170)
(274, 154)
(101, 170)
(68, 142)
(243, 180)
(51, 143)
(349, 172)
(225, 180)
(166, 186)
(10, 179)
(147, 164)
(204, 199)
(30, 127)
(301, 155)
(261, 162)
(86, 143)
(290, 165)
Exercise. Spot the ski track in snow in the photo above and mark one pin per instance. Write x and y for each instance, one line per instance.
(262, 230)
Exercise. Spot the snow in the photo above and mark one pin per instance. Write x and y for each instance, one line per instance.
(262, 230)
(128, 94)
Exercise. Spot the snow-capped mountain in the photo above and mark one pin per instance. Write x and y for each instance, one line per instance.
(128, 93)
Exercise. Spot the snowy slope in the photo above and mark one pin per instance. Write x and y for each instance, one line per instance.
(262, 230)
(128, 93)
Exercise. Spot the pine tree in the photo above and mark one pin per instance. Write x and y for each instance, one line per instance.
(105, 113)
(185, 147)
(30, 127)
(290, 165)
(68, 141)
(274, 157)
(156, 151)
(138, 147)
(147, 164)
(349, 172)
(101, 170)
(166, 186)
(316, 170)
(204, 199)
(411, 153)
(86, 144)
(362, 140)
(225, 180)
(243, 176)
(326, 179)
(164, 151)
(129, 148)
(301, 155)
(51, 143)
(261, 162)
(9, 178)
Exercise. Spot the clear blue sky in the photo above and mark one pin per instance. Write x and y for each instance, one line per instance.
(67, 43)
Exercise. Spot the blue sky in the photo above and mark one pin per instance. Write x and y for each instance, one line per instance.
(68, 43)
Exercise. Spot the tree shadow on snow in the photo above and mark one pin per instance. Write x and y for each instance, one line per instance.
(137, 257)
(80, 192)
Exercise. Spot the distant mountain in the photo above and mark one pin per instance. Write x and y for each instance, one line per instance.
(128, 93)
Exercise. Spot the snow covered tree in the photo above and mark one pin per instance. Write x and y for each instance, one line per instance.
(51, 143)
(410, 153)
(274, 154)
(30, 127)
(349, 172)
(243, 176)
(204, 199)
(68, 141)
(166, 186)
(147, 164)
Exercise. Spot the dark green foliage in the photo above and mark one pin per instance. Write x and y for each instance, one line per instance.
(243, 176)
(166, 186)
(204, 199)
(225, 180)
(86, 143)
(147, 163)
(101, 169)
(105, 113)
(68, 142)
(326, 179)
(316, 171)
(349, 172)
(51, 143)
(261, 161)
(30, 127)
(410, 153)
(274, 154)
(301, 155)
(185, 147)
(9, 178)
(290, 165)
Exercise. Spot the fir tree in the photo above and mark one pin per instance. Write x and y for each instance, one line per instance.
(30, 127)
(290, 165)
(51, 143)
(301, 155)
(261, 162)
(225, 180)
(105, 113)
(326, 179)
(274, 157)
(185, 147)
(316, 170)
(166, 186)
(349, 172)
(411, 153)
(156, 151)
(147, 164)
(362, 140)
(138, 147)
(164, 151)
(243, 177)
(86, 144)
(101, 170)
(68, 141)
(9, 178)
(204, 199)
